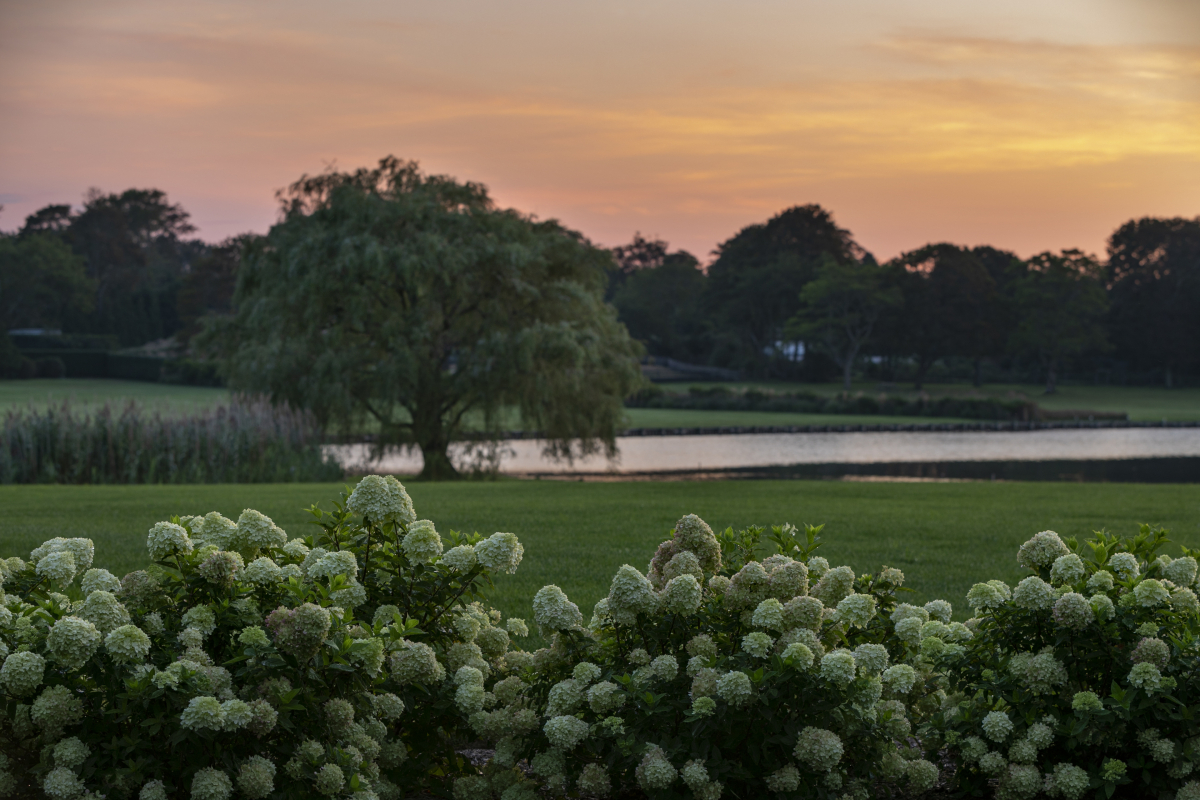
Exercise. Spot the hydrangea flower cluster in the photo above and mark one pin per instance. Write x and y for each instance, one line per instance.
(235, 572)
(1029, 672)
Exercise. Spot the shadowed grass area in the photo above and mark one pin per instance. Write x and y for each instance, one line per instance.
(42, 392)
(944, 536)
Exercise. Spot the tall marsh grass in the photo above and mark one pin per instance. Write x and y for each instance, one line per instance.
(247, 441)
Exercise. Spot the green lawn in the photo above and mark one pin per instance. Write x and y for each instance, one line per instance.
(97, 391)
(945, 536)
(1142, 403)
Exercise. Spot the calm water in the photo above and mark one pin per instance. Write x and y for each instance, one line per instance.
(655, 453)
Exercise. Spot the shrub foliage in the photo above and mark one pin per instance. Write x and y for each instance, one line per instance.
(359, 660)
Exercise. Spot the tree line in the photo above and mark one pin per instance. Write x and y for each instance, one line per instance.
(796, 298)
(793, 298)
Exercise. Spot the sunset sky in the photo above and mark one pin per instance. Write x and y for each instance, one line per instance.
(1027, 124)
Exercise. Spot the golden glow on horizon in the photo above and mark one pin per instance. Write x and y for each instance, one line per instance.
(1031, 137)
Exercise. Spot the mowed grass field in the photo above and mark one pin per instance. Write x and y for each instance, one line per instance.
(1141, 403)
(42, 392)
(944, 536)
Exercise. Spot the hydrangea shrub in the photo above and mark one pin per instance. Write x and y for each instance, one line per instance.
(779, 677)
(244, 663)
(1082, 680)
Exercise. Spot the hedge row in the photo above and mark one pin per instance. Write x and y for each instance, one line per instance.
(724, 399)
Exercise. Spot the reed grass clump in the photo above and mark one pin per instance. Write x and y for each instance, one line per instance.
(247, 441)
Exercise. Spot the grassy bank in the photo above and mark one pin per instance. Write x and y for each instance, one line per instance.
(1142, 403)
(944, 536)
(98, 391)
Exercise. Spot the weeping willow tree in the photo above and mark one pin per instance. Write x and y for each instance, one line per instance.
(410, 299)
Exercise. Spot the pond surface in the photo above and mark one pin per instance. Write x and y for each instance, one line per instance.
(670, 453)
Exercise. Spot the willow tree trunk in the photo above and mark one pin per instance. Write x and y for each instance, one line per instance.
(430, 434)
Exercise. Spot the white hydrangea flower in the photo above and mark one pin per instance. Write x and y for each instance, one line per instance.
(203, 713)
(784, 780)
(909, 631)
(665, 667)
(1181, 571)
(819, 749)
(682, 595)
(1034, 594)
(1043, 673)
(940, 610)
(104, 611)
(1102, 606)
(516, 627)
(565, 732)
(212, 784)
(62, 784)
(899, 678)
(585, 672)
(167, 539)
(1145, 676)
(99, 580)
(905, 611)
(803, 612)
(70, 753)
(1069, 781)
(72, 641)
(295, 549)
(997, 726)
(330, 565)
(655, 772)
(55, 708)
(382, 500)
(630, 594)
(201, 618)
(1185, 601)
(1073, 611)
(460, 559)
(1101, 581)
(256, 778)
(757, 644)
(769, 615)
(1067, 570)
(554, 611)
(236, 714)
(262, 571)
(469, 698)
(922, 775)
(1151, 593)
(833, 586)
(871, 657)
(422, 542)
(1125, 565)
(500, 551)
(735, 688)
(798, 655)
(857, 610)
(605, 697)
(128, 644)
(257, 530)
(1042, 550)
(22, 673)
(838, 667)
(58, 566)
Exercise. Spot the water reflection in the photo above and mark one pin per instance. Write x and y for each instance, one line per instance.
(668, 453)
